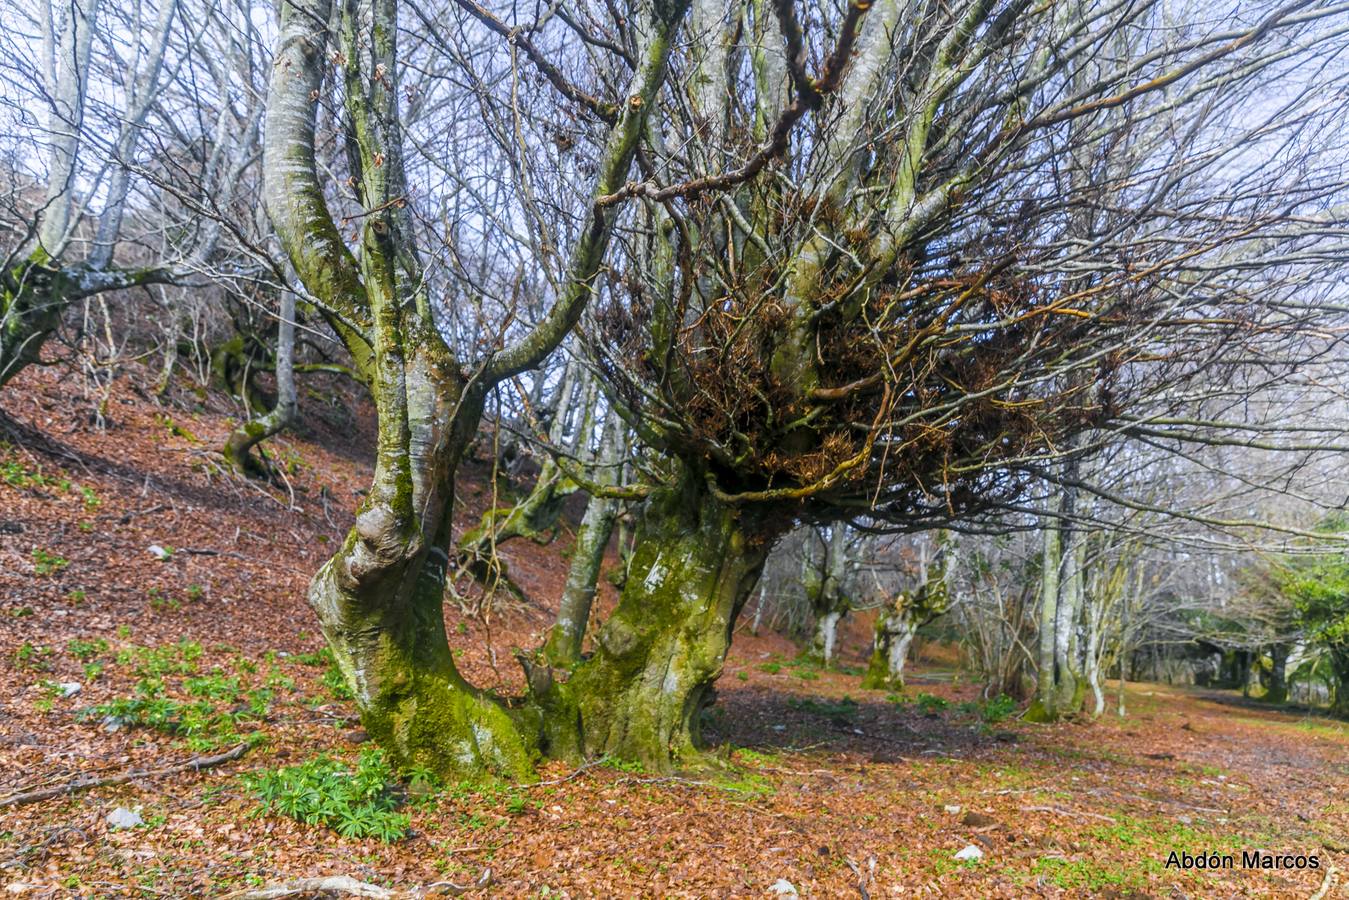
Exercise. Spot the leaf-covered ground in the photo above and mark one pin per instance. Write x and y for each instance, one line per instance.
(152, 611)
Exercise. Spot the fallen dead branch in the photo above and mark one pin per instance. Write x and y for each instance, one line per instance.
(345, 885)
(1326, 883)
(85, 783)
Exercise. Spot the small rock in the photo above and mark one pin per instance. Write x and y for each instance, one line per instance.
(953, 810)
(158, 552)
(70, 688)
(970, 852)
(121, 817)
(784, 888)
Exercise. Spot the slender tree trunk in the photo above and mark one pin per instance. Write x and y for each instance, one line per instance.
(1045, 707)
(695, 562)
(1093, 615)
(1069, 685)
(239, 445)
(1123, 653)
(563, 648)
(66, 125)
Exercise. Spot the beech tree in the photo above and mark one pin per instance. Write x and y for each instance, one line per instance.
(379, 599)
(921, 305)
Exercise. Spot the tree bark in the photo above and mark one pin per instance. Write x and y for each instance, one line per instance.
(890, 649)
(830, 601)
(239, 445)
(563, 648)
(695, 562)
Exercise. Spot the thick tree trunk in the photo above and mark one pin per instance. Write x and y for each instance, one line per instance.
(890, 650)
(829, 599)
(379, 599)
(1276, 690)
(695, 562)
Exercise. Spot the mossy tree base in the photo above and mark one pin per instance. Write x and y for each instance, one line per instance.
(641, 695)
(388, 636)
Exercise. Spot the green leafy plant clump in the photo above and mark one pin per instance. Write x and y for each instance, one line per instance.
(356, 802)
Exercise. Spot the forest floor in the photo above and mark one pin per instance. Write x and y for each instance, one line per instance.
(825, 789)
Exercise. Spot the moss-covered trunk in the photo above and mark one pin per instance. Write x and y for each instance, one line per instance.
(1339, 667)
(828, 598)
(890, 649)
(33, 298)
(379, 599)
(695, 561)
(1276, 687)
(36, 292)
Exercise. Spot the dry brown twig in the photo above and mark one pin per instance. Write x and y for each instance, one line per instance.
(84, 783)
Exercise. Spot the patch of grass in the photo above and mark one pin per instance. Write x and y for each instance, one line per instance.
(160, 601)
(1086, 875)
(931, 704)
(87, 650)
(632, 767)
(203, 724)
(32, 657)
(990, 711)
(355, 801)
(15, 475)
(756, 757)
(772, 668)
(171, 659)
(46, 564)
(319, 657)
(89, 498)
(336, 683)
(751, 783)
